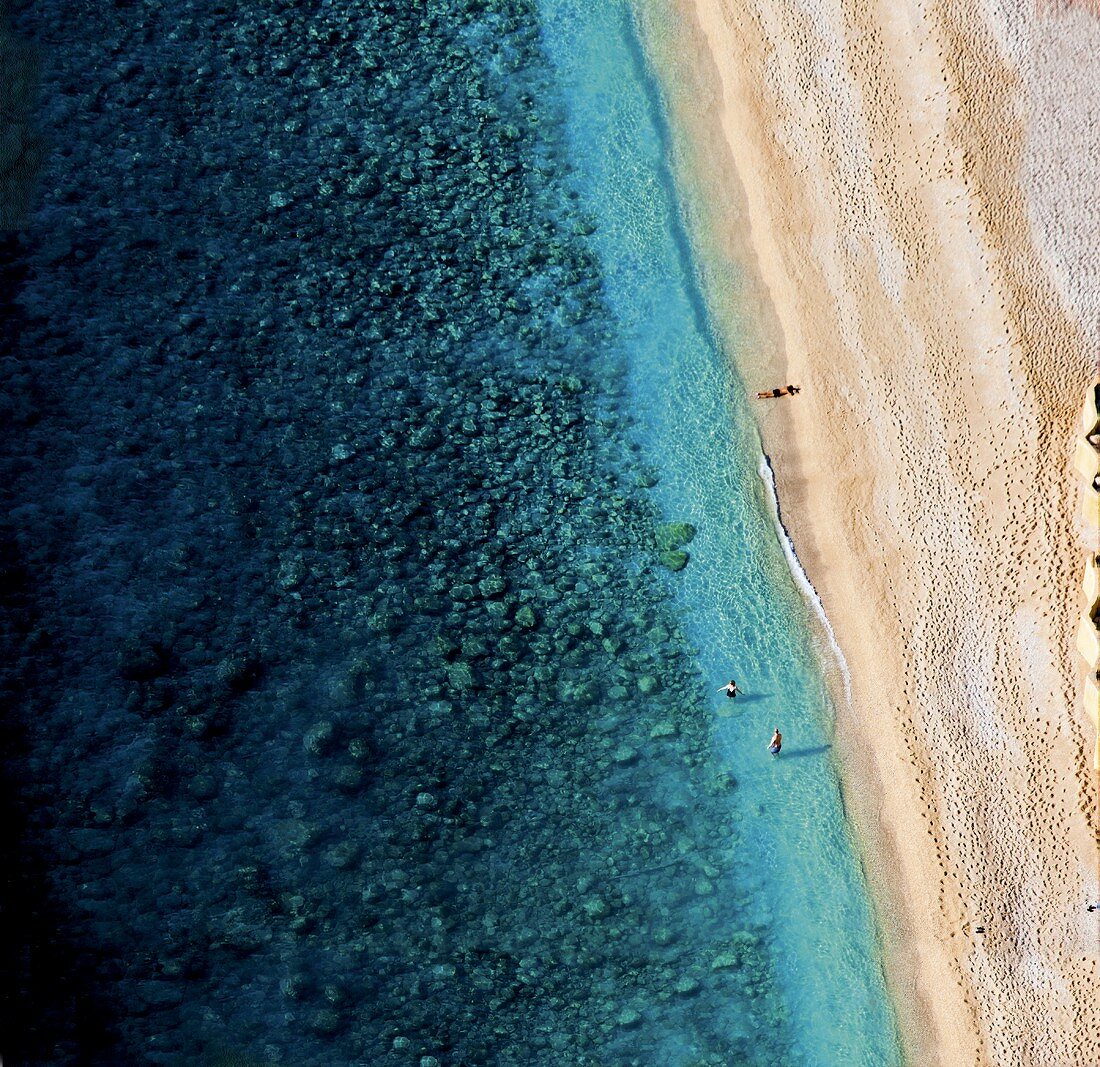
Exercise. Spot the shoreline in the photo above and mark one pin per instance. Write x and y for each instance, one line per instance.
(804, 583)
(800, 881)
(968, 787)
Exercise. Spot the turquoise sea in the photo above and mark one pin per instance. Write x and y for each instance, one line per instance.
(381, 514)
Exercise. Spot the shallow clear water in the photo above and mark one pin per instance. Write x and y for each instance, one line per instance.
(736, 597)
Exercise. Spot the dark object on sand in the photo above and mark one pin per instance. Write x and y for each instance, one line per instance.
(782, 390)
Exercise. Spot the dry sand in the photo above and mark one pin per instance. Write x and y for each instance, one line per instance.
(909, 191)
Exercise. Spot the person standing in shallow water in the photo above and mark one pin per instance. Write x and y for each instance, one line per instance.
(729, 689)
(776, 742)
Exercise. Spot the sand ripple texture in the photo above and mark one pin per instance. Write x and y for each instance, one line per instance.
(892, 173)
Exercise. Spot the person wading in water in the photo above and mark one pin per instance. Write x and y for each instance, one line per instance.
(776, 742)
(730, 689)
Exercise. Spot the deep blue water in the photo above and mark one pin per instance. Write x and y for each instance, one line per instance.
(351, 714)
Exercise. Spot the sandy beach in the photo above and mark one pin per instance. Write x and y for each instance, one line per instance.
(906, 188)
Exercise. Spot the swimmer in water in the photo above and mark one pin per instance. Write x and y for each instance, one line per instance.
(776, 742)
(730, 690)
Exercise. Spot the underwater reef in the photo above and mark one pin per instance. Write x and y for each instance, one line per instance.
(348, 717)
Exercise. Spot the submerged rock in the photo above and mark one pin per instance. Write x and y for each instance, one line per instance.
(319, 738)
(672, 535)
(597, 908)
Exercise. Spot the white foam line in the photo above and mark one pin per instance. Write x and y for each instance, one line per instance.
(802, 579)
